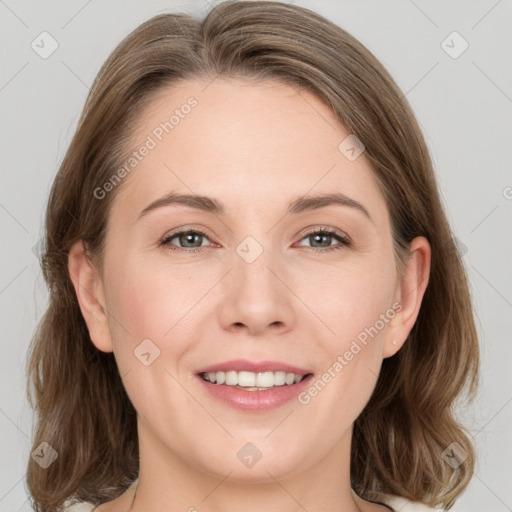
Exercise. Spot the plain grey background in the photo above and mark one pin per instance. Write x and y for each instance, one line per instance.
(461, 96)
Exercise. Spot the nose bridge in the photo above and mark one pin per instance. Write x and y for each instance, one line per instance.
(256, 296)
(253, 276)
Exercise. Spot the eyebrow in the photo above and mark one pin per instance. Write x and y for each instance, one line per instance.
(298, 205)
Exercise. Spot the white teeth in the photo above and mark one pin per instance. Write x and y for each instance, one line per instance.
(246, 379)
(231, 378)
(264, 379)
(279, 378)
(253, 381)
(290, 379)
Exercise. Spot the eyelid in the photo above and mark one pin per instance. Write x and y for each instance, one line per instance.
(318, 227)
(343, 239)
(173, 233)
(184, 229)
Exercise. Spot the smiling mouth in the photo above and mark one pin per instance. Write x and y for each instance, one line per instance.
(251, 381)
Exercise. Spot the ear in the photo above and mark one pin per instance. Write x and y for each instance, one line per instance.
(409, 294)
(89, 291)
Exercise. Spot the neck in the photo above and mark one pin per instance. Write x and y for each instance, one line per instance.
(169, 483)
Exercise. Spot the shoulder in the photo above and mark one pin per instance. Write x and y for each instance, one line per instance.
(86, 506)
(399, 504)
(78, 507)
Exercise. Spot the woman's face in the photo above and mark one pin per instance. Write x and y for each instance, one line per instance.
(251, 288)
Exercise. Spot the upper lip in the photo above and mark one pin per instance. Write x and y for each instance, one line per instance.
(240, 365)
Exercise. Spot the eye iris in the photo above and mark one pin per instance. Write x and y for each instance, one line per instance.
(319, 237)
(189, 237)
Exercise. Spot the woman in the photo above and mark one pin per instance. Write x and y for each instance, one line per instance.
(255, 297)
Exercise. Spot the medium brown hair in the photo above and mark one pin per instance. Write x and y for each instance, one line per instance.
(82, 409)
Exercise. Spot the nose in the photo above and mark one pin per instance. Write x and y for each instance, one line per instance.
(257, 298)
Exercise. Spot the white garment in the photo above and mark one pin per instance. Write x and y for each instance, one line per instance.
(397, 503)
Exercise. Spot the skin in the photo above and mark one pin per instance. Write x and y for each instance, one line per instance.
(253, 147)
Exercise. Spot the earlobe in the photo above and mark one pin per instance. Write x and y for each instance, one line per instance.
(89, 291)
(410, 291)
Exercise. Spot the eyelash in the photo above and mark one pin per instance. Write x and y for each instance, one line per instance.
(344, 240)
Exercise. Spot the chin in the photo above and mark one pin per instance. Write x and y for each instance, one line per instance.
(262, 472)
(248, 463)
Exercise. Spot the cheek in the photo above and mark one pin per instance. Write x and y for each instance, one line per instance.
(355, 300)
(148, 309)
(150, 298)
(142, 310)
(357, 309)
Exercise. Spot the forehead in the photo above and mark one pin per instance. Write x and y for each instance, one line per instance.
(240, 139)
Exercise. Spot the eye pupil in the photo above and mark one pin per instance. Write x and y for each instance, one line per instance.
(318, 237)
(189, 237)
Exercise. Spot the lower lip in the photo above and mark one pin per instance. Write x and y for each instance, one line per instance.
(255, 400)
